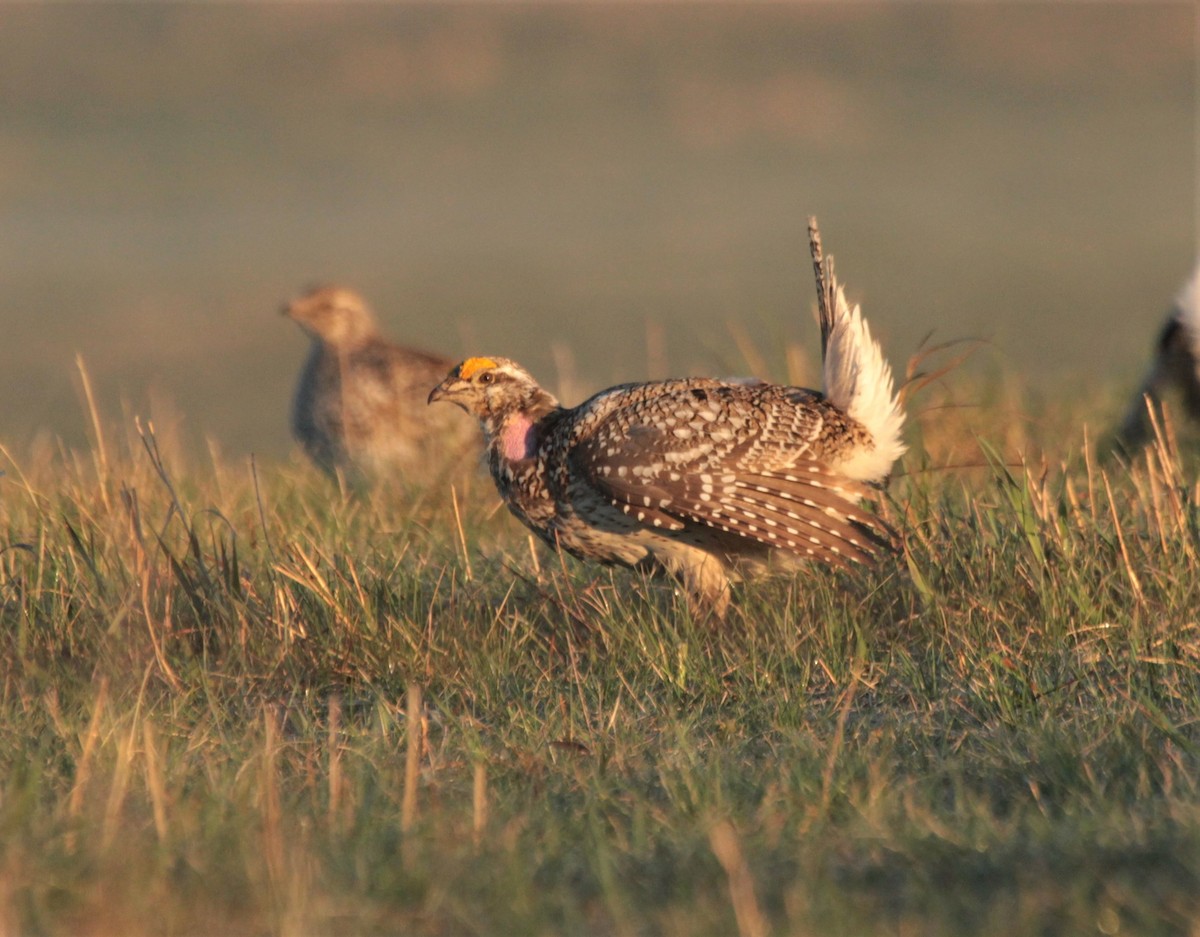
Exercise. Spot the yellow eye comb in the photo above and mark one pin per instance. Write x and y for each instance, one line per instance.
(472, 366)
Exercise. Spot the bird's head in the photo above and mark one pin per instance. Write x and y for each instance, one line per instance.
(492, 389)
(334, 315)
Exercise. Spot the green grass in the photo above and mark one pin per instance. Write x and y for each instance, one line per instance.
(207, 725)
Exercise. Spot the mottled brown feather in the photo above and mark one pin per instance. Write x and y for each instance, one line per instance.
(806, 510)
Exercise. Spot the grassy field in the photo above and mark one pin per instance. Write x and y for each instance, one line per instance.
(236, 701)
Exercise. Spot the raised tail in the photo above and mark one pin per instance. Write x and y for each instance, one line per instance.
(857, 378)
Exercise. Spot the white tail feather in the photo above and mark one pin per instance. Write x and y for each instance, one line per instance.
(1187, 313)
(1176, 365)
(858, 380)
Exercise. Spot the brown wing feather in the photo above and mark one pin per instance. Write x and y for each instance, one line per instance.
(804, 512)
(669, 473)
(808, 516)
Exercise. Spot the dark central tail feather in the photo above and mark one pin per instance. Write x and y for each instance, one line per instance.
(823, 272)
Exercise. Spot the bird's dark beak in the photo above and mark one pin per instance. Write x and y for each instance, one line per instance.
(451, 388)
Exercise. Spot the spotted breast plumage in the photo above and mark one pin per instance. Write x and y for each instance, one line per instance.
(709, 480)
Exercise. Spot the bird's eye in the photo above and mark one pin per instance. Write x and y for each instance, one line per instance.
(487, 377)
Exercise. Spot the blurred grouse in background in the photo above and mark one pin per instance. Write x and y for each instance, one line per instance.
(359, 408)
(706, 479)
(1175, 368)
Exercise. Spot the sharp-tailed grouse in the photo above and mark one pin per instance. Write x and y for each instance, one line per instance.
(710, 480)
(1176, 366)
(359, 404)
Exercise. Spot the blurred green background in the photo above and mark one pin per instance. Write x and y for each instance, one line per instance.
(595, 190)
